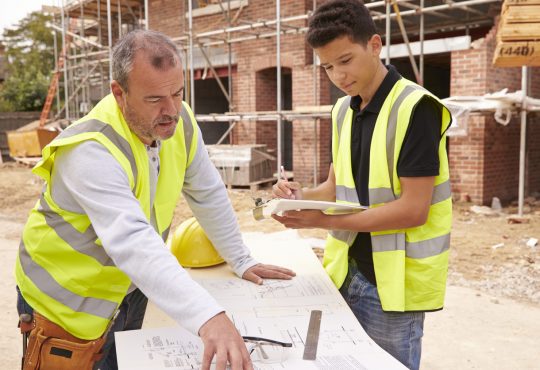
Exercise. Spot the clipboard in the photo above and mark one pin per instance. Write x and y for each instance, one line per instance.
(279, 205)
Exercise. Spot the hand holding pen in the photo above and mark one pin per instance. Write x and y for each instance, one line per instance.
(285, 188)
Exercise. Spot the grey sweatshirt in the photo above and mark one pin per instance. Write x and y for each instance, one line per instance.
(87, 179)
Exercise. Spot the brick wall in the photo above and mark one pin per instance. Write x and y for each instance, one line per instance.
(312, 137)
(166, 16)
(485, 163)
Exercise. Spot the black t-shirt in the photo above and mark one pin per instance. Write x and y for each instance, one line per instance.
(418, 157)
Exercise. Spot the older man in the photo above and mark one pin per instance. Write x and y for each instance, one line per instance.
(93, 248)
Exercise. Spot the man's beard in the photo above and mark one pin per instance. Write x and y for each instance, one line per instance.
(140, 126)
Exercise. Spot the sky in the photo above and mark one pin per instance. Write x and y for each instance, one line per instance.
(12, 14)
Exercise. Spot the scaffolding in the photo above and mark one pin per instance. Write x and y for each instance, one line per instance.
(103, 21)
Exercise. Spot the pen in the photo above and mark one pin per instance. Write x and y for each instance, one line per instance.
(283, 176)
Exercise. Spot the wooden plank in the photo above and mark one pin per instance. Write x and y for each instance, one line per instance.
(27, 161)
(521, 2)
(521, 14)
(519, 32)
(517, 54)
(254, 185)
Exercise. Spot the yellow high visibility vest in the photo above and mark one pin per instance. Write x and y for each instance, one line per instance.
(62, 269)
(411, 264)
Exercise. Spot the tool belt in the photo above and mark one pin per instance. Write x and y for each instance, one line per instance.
(52, 348)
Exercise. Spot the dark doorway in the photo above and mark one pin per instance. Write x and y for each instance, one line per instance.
(210, 99)
(266, 100)
(436, 72)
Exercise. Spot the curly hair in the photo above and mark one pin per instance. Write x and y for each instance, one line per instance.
(338, 18)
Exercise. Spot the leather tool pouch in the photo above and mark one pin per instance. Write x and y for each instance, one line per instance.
(51, 348)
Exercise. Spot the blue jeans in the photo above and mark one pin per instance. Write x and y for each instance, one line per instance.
(130, 317)
(398, 333)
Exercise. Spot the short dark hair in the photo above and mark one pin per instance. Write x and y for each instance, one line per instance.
(160, 49)
(338, 18)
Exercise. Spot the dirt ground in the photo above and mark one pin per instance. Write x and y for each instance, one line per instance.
(492, 314)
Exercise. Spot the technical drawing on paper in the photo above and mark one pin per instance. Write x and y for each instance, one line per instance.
(173, 353)
(294, 310)
(328, 339)
(341, 362)
(332, 339)
(235, 288)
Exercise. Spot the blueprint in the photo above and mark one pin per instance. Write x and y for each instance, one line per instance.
(163, 348)
(277, 309)
(271, 290)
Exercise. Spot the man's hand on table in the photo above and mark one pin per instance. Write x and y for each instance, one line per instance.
(222, 341)
(257, 273)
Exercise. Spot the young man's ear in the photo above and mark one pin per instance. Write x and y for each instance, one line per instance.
(118, 93)
(376, 45)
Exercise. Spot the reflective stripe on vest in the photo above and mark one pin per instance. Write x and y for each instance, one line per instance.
(85, 242)
(383, 195)
(391, 132)
(347, 194)
(423, 249)
(47, 284)
(165, 234)
(342, 112)
(107, 130)
(188, 131)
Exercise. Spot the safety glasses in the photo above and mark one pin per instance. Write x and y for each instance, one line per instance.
(267, 351)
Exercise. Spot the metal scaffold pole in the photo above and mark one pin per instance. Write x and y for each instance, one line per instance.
(387, 41)
(191, 72)
(406, 40)
(278, 93)
(146, 20)
(522, 140)
(64, 48)
(316, 121)
(422, 41)
(109, 30)
(100, 40)
(56, 68)
(119, 18)
(229, 64)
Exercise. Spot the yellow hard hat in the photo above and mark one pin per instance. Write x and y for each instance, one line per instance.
(191, 246)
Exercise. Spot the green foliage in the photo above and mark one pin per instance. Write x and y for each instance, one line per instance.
(29, 59)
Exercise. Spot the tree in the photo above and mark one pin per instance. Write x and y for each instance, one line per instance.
(29, 63)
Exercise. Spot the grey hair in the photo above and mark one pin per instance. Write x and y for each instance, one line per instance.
(160, 49)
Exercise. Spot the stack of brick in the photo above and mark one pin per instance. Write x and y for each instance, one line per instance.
(518, 37)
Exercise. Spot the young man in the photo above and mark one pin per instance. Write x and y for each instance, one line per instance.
(93, 247)
(388, 153)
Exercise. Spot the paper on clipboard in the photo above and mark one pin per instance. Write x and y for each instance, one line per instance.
(278, 205)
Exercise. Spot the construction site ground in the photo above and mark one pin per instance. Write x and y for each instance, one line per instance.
(492, 315)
